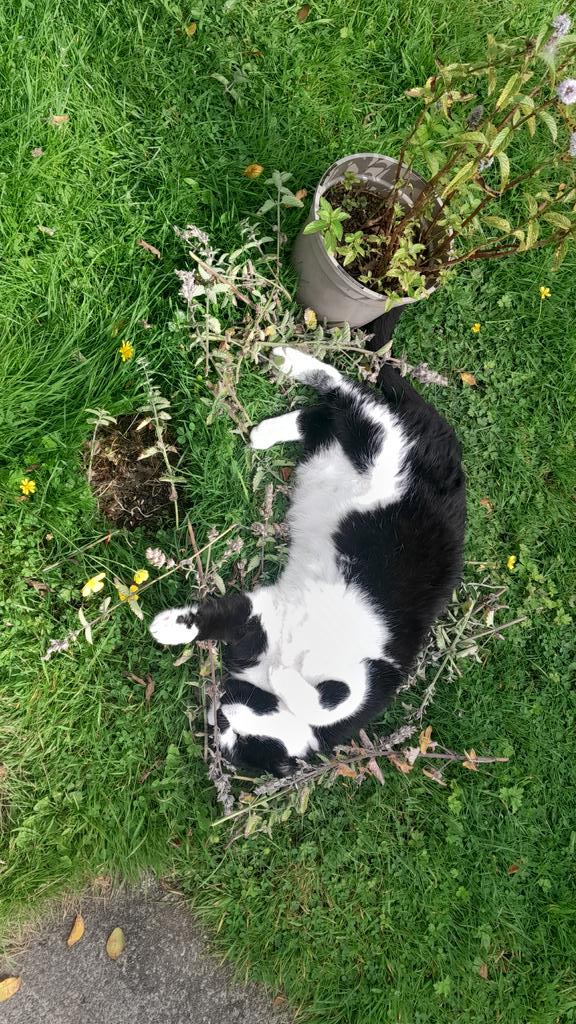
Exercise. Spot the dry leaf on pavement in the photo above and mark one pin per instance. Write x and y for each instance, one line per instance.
(77, 931)
(115, 944)
(8, 988)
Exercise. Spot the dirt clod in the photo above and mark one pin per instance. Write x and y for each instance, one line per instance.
(129, 492)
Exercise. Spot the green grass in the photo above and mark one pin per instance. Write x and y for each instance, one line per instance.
(382, 903)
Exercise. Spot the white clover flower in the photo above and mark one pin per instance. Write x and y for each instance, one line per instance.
(566, 91)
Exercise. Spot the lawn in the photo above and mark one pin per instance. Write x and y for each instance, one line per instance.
(409, 902)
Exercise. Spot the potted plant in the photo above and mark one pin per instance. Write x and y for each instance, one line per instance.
(380, 236)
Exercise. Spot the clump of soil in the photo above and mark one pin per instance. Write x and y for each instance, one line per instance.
(369, 213)
(129, 492)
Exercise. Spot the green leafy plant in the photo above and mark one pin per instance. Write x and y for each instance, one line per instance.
(329, 223)
(477, 120)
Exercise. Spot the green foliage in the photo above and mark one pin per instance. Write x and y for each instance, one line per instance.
(329, 224)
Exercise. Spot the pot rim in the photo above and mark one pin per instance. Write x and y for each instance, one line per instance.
(320, 190)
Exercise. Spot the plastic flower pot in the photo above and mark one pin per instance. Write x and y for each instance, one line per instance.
(324, 285)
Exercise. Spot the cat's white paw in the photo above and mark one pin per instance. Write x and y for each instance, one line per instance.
(170, 627)
(263, 436)
(304, 367)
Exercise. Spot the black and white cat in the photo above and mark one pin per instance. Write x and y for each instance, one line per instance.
(377, 526)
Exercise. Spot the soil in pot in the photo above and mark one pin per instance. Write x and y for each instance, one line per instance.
(369, 212)
(129, 491)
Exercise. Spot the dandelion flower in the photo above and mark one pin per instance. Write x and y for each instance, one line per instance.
(126, 351)
(566, 91)
(545, 292)
(94, 584)
(141, 575)
(310, 319)
(27, 486)
(475, 328)
(512, 559)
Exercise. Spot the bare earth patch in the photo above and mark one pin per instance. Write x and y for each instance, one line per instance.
(129, 489)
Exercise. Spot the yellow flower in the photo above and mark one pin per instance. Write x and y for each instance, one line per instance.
(310, 319)
(270, 332)
(126, 351)
(141, 575)
(131, 595)
(512, 559)
(475, 328)
(545, 293)
(27, 486)
(94, 584)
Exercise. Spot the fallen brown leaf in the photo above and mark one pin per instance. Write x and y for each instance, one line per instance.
(483, 971)
(77, 931)
(400, 763)
(303, 13)
(45, 230)
(424, 739)
(513, 869)
(346, 770)
(116, 943)
(435, 775)
(59, 118)
(149, 248)
(487, 504)
(286, 473)
(301, 194)
(253, 171)
(9, 987)
(468, 378)
(375, 770)
(471, 762)
(191, 29)
(36, 152)
(37, 585)
(149, 691)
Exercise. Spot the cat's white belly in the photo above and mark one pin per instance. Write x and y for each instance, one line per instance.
(322, 630)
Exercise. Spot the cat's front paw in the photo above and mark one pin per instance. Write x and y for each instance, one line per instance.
(175, 625)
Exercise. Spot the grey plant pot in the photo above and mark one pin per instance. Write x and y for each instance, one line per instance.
(323, 284)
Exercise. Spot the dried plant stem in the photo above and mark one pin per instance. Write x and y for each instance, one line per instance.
(222, 280)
